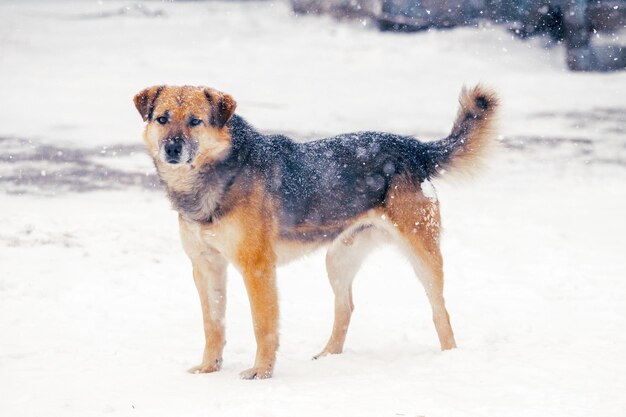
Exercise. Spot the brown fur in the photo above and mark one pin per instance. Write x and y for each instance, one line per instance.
(256, 260)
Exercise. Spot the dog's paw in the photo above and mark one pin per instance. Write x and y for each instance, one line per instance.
(326, 352)
(206, 368)
(256, 373)
(320, 355)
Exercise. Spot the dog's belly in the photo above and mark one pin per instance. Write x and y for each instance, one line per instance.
(287, 250)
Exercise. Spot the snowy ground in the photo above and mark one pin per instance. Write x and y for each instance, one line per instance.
(98, 312)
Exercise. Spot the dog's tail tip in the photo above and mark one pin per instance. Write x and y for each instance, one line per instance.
(479, 100)
(473, 132)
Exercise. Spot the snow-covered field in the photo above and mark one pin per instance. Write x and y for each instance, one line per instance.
(98, 311)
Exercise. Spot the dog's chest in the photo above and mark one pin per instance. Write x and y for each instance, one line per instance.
(198, 238)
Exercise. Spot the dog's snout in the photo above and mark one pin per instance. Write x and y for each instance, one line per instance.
(173, 149)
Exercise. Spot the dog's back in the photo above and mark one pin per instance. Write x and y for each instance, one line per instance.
(322, 186)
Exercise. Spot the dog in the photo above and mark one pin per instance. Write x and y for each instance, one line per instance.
(257, 201)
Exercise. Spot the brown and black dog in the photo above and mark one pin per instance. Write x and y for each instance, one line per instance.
(257, 201)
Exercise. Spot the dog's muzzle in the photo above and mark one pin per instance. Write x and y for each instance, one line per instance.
(176, 150)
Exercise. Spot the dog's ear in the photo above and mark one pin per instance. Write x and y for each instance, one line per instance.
(145, 101)
(222, 107)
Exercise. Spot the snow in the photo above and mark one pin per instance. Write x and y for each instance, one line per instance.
(98, 310)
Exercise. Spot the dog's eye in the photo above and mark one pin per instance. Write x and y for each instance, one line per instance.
(162, 120)
(195, 122)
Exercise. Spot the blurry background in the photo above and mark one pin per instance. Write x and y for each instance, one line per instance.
(98, 313)
(570, 22)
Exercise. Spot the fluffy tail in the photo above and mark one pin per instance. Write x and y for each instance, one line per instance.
(473, 132)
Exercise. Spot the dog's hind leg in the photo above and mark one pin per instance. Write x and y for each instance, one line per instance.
(428, 265)
(343, 260)
(416, 218)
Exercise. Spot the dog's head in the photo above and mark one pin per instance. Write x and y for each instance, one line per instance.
(185, 125)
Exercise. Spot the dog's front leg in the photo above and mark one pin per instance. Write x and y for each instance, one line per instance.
(209, 274)
(259, 273)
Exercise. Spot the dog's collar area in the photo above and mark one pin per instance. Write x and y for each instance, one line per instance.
(208, 221)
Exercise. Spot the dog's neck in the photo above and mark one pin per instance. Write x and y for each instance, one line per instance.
(197, 195)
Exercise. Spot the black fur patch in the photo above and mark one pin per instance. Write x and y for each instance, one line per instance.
(219, 111)
(212, 118)
(482, 102)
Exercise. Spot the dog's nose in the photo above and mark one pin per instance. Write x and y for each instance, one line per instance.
(173, 148)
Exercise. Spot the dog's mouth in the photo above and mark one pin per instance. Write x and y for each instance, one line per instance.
(177, 151)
